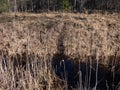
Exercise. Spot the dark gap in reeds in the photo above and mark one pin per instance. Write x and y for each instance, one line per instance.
(70, 69)
(67, 69)
(73, 72)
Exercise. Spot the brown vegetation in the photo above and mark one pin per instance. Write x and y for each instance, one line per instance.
(82, 36)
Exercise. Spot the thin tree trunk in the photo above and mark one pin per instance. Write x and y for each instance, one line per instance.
(8, 1)
(48, 4)
(74, 3)
(15, 7)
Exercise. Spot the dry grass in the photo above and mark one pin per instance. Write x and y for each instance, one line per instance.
(39, 33)
(84, 35)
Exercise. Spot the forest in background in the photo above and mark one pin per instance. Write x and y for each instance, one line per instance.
(58, 5)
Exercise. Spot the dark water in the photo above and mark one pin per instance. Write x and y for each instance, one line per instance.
(66, 69)
(74, 72)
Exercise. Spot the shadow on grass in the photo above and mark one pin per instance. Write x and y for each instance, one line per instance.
(84, 74)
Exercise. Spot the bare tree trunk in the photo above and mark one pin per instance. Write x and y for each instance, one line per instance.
(48, 4)
(32, 7)
(15, 7)
(74, 7)
(8, 1)
(74, 3)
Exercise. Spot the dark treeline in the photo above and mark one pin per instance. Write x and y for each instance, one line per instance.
(58, 5)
